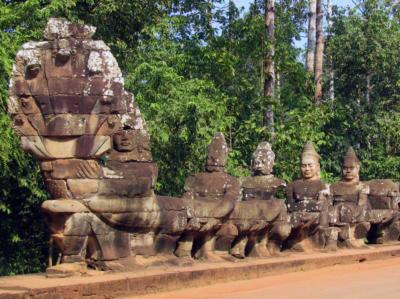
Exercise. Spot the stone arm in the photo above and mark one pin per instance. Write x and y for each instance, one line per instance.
(189, 188)
(233, 190)
(363, 196)
(290, 202)
(282, 187)
(324, 202)
(325, 197)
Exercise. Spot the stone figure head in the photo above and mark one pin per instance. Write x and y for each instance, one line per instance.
(350, 166)
(123, 139)
(263, 159)
(310, 167)
(217, 153)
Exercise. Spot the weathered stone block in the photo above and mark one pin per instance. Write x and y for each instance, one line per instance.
(95, 86)
(75, 168)
(19, 87)
(71, 245)
(58, 66)
(87, 104)
(66, 86)
(22, 125)
(78, 224)
(114, 245)
(38, 86)
(92, 146)
(37, 121)
(44, 104)
(58, 28)
(65, 125)
(60, 206)
(102, 125)
(58, 189)
(134, 170)
(66, 104)
(142, 243)
(82, 187)
(28, 105)
(125, 187)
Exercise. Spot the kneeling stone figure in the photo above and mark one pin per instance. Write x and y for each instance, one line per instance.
(308, 200)
(263, 235)
(350, 204)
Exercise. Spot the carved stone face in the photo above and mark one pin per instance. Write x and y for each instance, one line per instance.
(350, 171)
(123, 140)
(309, 168)
(262, 165)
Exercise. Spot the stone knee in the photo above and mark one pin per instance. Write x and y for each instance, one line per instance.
(184, 246)
(239, 246)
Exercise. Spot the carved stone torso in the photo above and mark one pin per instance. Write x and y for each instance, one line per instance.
(384, 194)
(260, 187)
(302, 195)
(346, 193)
(212, 186)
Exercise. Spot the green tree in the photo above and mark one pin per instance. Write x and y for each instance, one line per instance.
(365, 53)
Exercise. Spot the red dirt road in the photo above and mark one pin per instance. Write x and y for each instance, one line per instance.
(367, 280)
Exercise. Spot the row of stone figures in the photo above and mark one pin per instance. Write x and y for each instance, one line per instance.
(69, 106)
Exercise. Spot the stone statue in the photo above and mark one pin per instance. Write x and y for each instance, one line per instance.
(308, 200)
(350, 200)
(258, 192)
(212, 187)
(384, 199)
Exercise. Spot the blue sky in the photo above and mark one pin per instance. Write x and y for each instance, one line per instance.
(343, 3)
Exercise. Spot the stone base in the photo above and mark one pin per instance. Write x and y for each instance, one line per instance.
(158, 279)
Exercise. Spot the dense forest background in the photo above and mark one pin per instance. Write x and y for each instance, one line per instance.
(201, 66)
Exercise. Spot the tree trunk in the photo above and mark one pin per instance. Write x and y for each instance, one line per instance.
(269, 67)
(319, 54)
(311, 36)
(210, 32)
(331, 72)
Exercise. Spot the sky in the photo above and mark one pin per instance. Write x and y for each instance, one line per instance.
(342, 3)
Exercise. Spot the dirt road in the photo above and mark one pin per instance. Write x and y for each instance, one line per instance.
(367, 280)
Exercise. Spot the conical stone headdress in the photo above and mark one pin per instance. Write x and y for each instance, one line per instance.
(217, 151)
(309, 151)
(350, 156)
(264, 149)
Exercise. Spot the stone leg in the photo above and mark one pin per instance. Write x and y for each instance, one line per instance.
(391, 233)
(239, 246)
(73, 248)
(109, 243)
(360, 233)
(385, 233)
(259, 245)
(278, 234)
(184, 246)
(206, 249)
(330, 238)
(71, 236)
(352, 235)
(143, 244)
(302, 241)
(344, 236)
